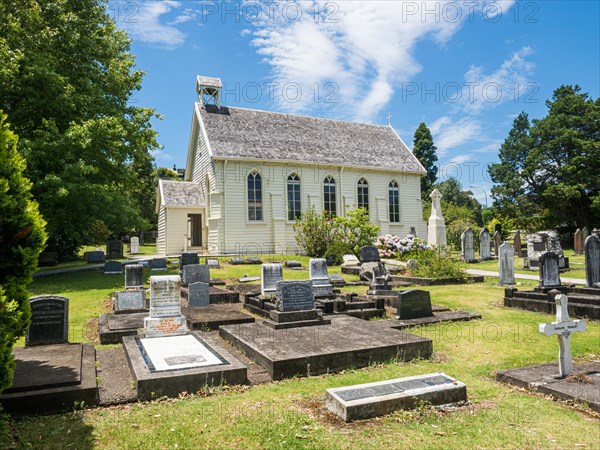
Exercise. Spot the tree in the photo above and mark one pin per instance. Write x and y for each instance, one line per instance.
(22, 238)
(546, 175)
(66, 80)
(424, 151)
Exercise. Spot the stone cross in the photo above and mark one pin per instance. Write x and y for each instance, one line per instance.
(436, 228)
(563, 327)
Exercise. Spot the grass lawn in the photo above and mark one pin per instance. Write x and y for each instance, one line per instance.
(291, 414)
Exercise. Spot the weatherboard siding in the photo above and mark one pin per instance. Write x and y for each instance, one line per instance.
(161, 244)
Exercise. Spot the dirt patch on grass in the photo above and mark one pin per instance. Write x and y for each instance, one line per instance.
(92, 332)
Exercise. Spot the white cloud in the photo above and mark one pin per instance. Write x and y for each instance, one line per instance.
(458, 159)
(365, 48)
(448, 134)
(145, 25)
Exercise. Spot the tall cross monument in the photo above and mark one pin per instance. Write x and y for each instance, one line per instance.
(563, 327)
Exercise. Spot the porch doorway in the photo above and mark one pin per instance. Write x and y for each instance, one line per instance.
(194, 230)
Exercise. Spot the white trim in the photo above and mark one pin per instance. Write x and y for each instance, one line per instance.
(411, 152)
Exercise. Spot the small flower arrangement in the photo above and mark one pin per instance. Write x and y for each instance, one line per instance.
(391, 246)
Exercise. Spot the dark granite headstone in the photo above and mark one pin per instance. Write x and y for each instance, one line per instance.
(49, 320)
(369, 253)
(413, 304)
(198, 295)
(134, 276)
(158, 264)
(114, 250)
(188, 258)
(549, 272)
(253, 260)
(113, 267)
(592, 261)
(196, 273)
(213, 262)
(295, 296)
(95, 256)
(292, 263)
(130, 300)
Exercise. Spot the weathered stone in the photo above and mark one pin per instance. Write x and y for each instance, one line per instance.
(467, 244)
(196, 273)
(485, 251)
(350, 260)
(592, 261)
(578, 242)
(158, 264)
(517, 244)
(165, 307)
(270, 276)
(436, 228)
(369, 253)
(585, 232)
(213, 263)
(293, 264)
(113, 267)
(49, 320)
(188, 258)
(506, 264)
(134, 276)
(295, 296)
(134, 245)
(413, 304)
(130, 300)
(198, 295)
(549, 272)
(317, 272)
(497, 242)
(96, 256)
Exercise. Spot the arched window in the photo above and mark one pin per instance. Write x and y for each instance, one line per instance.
(363, 194)
(255, 211)
(329, 203)
(293, 195)
(394, 202)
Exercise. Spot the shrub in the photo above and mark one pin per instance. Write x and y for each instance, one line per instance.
(22, 239)
(355, 229)
(391, 246)
(433, 264)
(314, 232)
(337, 250)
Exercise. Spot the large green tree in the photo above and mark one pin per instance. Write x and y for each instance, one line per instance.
(424, 150)
(22, 238)
(66, 80)
(548, 172)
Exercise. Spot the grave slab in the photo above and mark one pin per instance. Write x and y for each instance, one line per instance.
(213, 316)
(51, 378)
(168, 366)
(364, 401)
(346, 342)
(114, 327)
(583, 385)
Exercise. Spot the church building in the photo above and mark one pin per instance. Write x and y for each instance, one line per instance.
(251, 173)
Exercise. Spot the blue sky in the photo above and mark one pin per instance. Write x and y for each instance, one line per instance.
(465, 68)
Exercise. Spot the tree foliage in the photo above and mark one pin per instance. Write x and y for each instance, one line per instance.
(22, 238)
(548, 172)
(66, 80)
(424, 150)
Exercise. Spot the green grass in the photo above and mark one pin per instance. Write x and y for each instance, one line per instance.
(291, 414)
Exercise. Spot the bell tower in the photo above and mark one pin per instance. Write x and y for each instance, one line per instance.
(209, 90)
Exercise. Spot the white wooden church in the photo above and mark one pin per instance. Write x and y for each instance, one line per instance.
(251, 173)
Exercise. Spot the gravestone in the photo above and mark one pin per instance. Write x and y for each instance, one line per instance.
(578, 242)
(413, 231)
(114, 250)
(165, 307)
(236, 260)
(506, 264)
(49, 320)
(96, 256)
(369, 253)
(549, 272)
(467, 244)
(198, 295)
(134, 245)
(436, 226)
(413, 304)
(113, 267)
(130, 300)
(213, 263)
(592, 261)
(196, 273)
(497, 242)
(485, 251)
(498, 228)
(188, 258)
(295, 296)
(317, 272)
(134, 276)
(293, 264)
(271, 274)
(585, 232)
(350, 260)
(158, 264)
(517, 244)
(541, 242)
(563, 327)
(337, 280)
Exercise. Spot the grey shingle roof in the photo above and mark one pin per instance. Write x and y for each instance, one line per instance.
(182, 193)
(250, 134)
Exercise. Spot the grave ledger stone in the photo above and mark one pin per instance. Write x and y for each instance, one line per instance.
(592, 261)
(295, 296)
(413, 304)
(549, 273)
(130, 300)
(485, 251)
(270, 276)
(196, 273)
(114, 250)
(134, 245)
(563, 328)
(165, 307)
(506, 264)
(198, 295)
(49, 320)
(317, 272)
(467, 244)
(134, 276)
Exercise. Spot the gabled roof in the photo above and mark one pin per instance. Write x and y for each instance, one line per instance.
(180, 193)
(237, 133)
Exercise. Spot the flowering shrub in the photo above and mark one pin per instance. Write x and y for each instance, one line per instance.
(391, 246)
